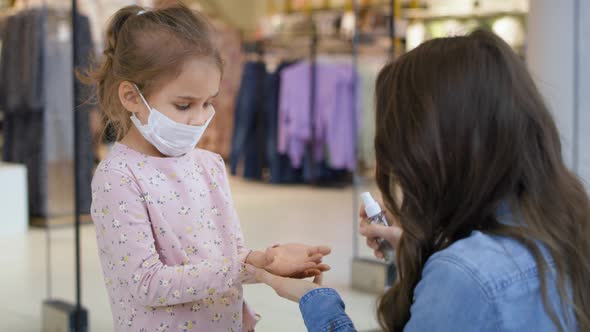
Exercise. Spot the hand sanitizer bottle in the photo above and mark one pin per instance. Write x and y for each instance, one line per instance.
(377, 216)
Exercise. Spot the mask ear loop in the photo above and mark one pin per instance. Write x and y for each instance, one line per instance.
(142, 97)
(210, 118)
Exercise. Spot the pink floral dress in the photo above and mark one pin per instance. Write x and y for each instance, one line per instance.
(170, 243)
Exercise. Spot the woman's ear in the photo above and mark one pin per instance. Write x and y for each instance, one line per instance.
(130, 99)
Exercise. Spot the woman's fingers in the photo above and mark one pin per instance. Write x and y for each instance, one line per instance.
(372, 243)
(365, 229)
(305, 274)
(374, 231)
(362, 212)
(391, 234)
(318, 279)
(319, 269)
(379, 254)
(312, 273)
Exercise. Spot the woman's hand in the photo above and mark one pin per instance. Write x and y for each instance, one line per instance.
(296, 260)
(391, 234)
(290, 289)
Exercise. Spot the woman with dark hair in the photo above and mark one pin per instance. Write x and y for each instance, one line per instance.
(492, 230)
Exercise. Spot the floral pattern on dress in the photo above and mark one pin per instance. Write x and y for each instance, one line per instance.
(170, 242)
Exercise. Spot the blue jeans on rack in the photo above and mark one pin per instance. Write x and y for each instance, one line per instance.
(246, 138)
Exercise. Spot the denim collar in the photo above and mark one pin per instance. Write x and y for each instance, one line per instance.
(504, 214)
(503, 209)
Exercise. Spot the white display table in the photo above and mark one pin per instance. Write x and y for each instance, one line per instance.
(14, 217)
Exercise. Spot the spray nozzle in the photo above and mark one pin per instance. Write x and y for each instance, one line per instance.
(371, 206)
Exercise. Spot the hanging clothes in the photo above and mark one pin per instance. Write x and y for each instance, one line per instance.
(281, 170)
(84, 106)
(22, 100)
(248, 141)
(37, 100)
(334, 120)
(255, 136)
(275, 119)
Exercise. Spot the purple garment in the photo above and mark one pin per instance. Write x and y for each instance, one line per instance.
(334, 120)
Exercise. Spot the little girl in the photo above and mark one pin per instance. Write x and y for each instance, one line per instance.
(169, 239)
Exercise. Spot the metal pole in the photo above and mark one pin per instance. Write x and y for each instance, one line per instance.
(76, 167)
(355, 176)
(48, 280)
(392, 28)
(48, 270)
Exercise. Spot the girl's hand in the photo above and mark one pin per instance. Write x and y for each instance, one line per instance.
(391, 234)
(296, 260)
(290, 289)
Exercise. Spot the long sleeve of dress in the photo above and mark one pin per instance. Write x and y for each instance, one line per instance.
(128, 249)
(248, 278)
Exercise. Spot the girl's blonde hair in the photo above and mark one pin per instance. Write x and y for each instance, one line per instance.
(147, 47)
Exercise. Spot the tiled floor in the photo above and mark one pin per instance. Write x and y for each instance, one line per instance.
(269, 215)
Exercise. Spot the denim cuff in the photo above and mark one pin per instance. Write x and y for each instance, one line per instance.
(323, 310)
(312, 293)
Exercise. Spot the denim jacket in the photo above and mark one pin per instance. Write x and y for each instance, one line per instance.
(480, 283)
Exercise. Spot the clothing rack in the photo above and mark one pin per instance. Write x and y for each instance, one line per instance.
(260, 133)
(309, 35)
(313, 57)
(290, 46)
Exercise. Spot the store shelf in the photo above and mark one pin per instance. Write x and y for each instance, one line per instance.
(421, 14)
(373, 4)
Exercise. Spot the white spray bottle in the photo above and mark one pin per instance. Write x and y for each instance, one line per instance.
(377, 216)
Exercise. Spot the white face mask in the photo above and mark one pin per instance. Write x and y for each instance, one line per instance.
(171, 138)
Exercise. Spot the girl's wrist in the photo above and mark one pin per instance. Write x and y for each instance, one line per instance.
(257, 259)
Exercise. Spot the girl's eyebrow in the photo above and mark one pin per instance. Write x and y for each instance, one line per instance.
(196, 98)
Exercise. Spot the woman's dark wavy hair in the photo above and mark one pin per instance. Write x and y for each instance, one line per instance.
(461, 128)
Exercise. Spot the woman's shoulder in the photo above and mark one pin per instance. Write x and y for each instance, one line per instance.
(495, 263)
(478, 284)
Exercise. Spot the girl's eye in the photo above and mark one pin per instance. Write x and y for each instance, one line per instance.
(208, 104)
(183, 107)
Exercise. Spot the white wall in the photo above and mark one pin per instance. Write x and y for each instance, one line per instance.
(583, 96)
(559, 57)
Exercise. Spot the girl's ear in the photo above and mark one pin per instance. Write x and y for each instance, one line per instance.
(130, 99)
